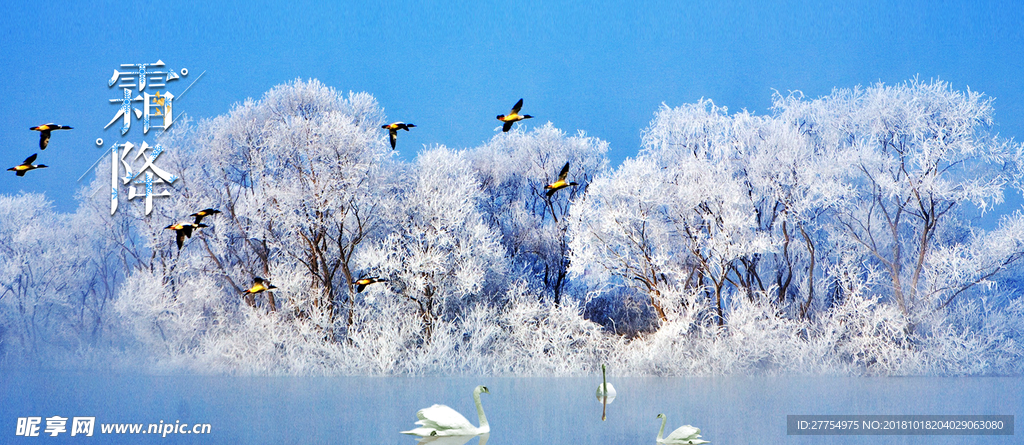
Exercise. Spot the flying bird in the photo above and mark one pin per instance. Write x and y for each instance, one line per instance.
(560, 183)
(512, 117)
(184, 230)
(259, 285)
(202, 213)
(440, 420)
(363, 282)
(44, 133)
(393, 130)
(26, 166)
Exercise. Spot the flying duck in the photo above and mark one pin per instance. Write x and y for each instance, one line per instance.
(259, 285)
(560, 183)
(184, 230)
(26, 166)
(363, 282)
(393, 130)
(205, 212)
(44, 133)
(512, 117)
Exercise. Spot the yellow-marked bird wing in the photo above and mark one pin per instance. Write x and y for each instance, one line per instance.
(517, 107)
(564, 172)
(203, 213)
(51, 126)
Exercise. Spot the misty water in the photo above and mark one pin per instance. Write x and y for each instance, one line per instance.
(372, 410)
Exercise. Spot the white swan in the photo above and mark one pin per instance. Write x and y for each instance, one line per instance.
(605, 393)
(440, 420)
(685, 434)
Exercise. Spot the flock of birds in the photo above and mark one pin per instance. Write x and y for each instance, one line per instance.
(184, 230)
(437, 420)
(440, 421)
(506, 119)
(44, 141)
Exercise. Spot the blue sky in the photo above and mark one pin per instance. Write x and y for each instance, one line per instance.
(449, 67)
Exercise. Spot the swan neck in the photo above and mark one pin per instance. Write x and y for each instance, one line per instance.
(604, 381)
(480, 411)
(662, 430)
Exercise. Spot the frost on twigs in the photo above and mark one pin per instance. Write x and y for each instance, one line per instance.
(833, 235)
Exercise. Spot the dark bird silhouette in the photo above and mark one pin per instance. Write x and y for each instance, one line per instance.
(363, 282)
(20, 169)
(259, 285)
(512, 117)
(560, 183)
(44, 133)
(203, 213)
(184, 230)
(393, 130)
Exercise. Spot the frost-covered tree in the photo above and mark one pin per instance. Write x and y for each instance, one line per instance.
(713, 203)
(299, 177)
(921, 158)
(832, 235)
(514, 168)
(440, 253)
(736, 204)
(57, 278)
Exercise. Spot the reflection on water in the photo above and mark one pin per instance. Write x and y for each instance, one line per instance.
(605, 393)
(522, 411)
(452, 440)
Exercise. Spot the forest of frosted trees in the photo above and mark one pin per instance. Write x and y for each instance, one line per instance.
(834, 235)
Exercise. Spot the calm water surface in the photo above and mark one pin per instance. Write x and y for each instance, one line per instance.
(372, 410)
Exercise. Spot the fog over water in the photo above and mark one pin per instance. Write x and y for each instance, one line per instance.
(728, 410)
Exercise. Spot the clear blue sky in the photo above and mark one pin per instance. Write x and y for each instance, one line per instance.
(449, 67)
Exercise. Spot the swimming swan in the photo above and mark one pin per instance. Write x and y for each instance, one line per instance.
(685, 434)
(440, 420)
(605, 393)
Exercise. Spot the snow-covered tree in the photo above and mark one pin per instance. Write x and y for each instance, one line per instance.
(832, 235)
(920, 158)
(299, 177)
(440, 254)
(514, 168)
(56, 278)
(737, 204)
